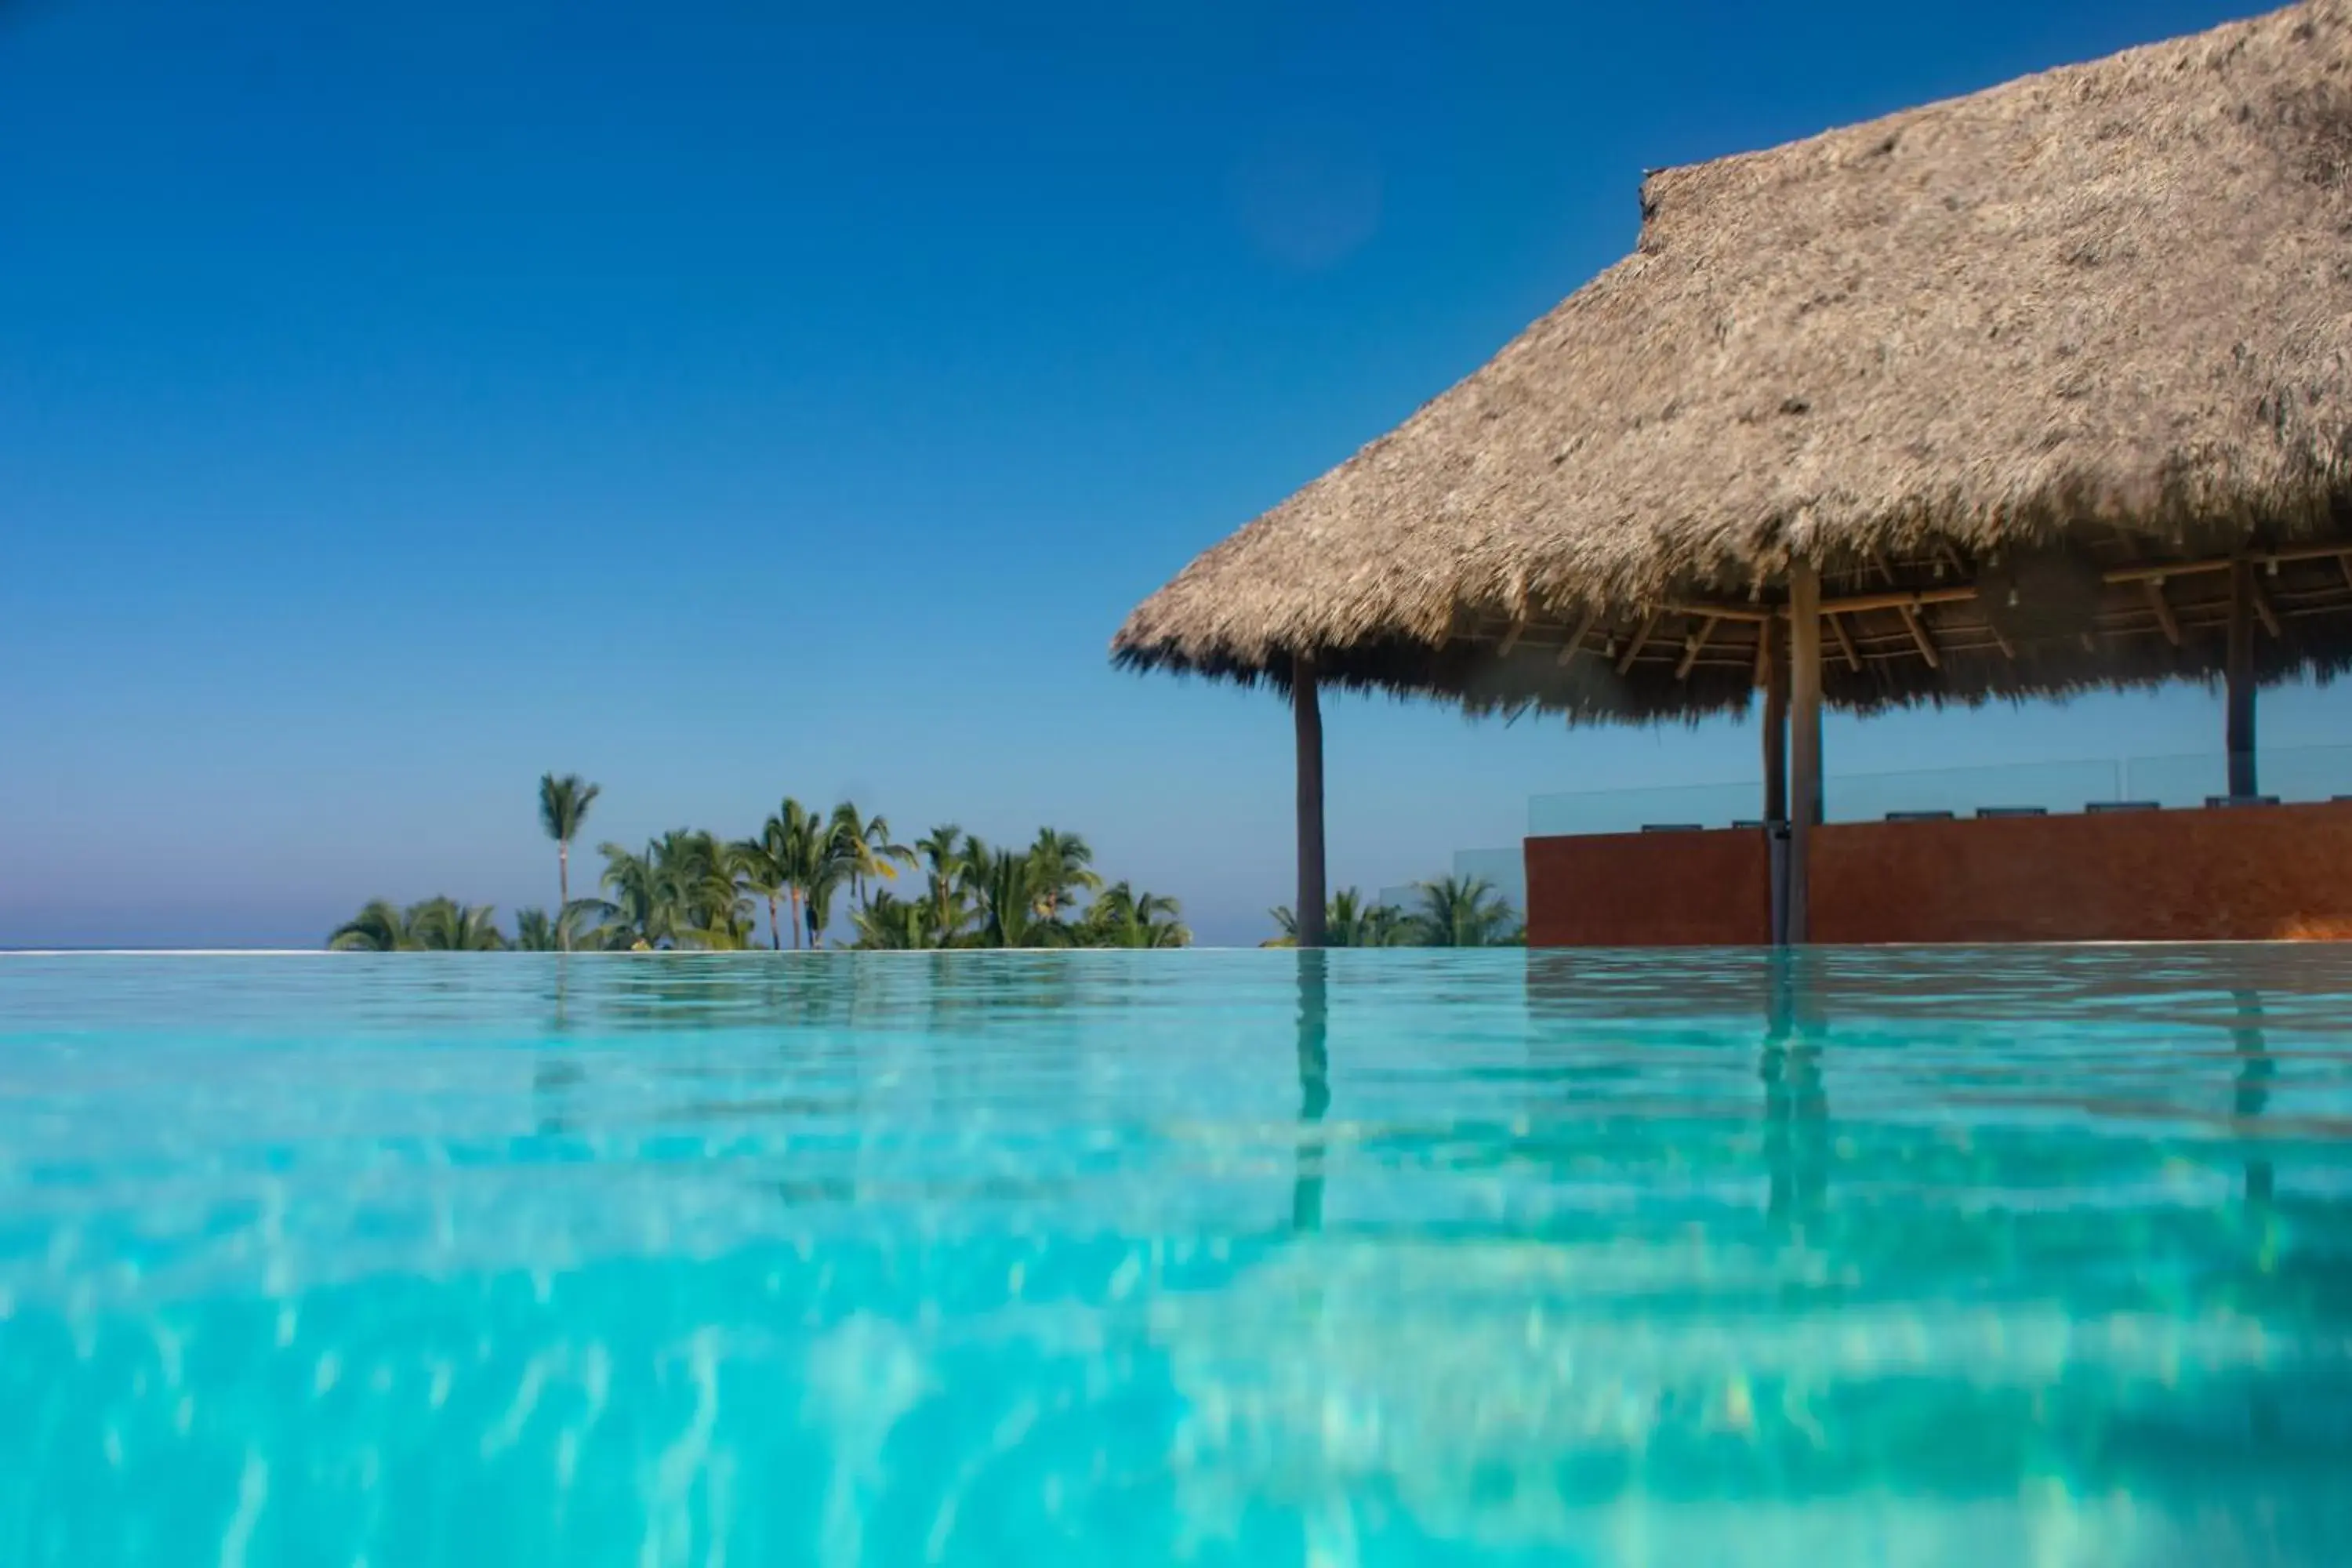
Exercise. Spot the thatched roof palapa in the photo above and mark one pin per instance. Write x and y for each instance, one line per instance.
(2072, 341)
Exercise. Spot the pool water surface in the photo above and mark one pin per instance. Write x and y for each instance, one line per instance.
(2004, 1256)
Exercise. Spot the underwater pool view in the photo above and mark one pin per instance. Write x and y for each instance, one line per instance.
(2006, 1255)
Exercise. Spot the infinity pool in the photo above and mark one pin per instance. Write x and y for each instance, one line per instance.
(2022, 1256)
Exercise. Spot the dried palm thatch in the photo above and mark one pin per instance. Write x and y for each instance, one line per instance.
(2062, 340)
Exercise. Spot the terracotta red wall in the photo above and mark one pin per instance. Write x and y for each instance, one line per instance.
(1650, 890)
(2253, 873)
(2246, 874)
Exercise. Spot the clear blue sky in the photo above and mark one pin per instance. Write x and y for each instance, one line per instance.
(725, 399)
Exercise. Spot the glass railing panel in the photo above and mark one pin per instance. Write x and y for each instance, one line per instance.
(2053, 787)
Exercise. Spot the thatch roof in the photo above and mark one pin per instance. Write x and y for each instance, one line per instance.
(2091, 320)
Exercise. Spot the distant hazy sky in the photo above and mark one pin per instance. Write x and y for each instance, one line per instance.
(725, 399)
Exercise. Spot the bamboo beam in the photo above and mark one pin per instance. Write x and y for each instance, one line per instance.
(1641, 640)
(2168, 569)
(1805, 736)
(1308, 716)
(1919, 599)
(1721, 612)
(1855, 603)
(1922, 598)
(2286, 556)
(1576, 639)
(2301, 553)
(1511, 636)
(1696, 641)
(2163, 608)
(1845, 642)
(2262, 605)
(1926, 644)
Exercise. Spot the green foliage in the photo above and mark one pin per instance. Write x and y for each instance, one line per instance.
(1455, 911)
(691, 890)
(431, 925)
(380, 927)
(444, 925)
(1349, 921)
(1124, 918)
(1464, 911)
(1061, 865)
(682, 891)
(864, 848)
(890, 923)
(563, 805)
(940, 854)
(536, 932)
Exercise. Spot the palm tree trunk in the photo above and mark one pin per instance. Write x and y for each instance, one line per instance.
(795, 901)
(775, 931)
(563, 891)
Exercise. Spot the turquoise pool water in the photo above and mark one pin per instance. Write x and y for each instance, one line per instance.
(2007, 1257)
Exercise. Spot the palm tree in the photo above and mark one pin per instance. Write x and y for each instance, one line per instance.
(691, 889)
(808, 857)
(866, 848)
(1122, 917)
(682, 891)
(536, 932)
(1006, 895)
(635, 906)
(563, 806)
(1363, 924)
(697, 877)
(1062, 864)
(381, 927)
(444, 925)
(891, 923)
(593, 924)
(941, 850)
(1464, 911)
(1348, 921)
(761, 862)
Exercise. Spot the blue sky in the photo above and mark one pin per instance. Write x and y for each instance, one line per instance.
(728, 400)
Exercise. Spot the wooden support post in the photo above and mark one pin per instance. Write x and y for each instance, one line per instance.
(2241, 667)
(1773, 678)
(1306, 710)
(1805, 736)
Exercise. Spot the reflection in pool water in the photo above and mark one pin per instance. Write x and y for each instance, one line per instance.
(2032, 1255)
